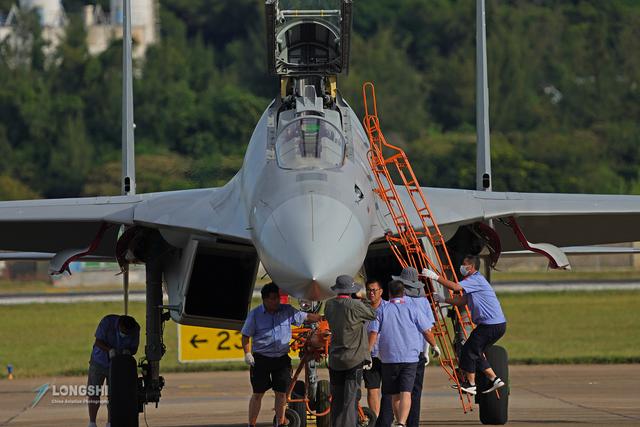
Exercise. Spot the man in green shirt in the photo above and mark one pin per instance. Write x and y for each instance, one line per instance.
(349, 349)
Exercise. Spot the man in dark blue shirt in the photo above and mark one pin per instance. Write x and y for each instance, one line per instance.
(115, 335)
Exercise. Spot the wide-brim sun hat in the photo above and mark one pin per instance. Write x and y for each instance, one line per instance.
(345, 285)
(409, 277)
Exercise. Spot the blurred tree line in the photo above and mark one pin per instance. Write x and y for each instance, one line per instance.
(564, 95)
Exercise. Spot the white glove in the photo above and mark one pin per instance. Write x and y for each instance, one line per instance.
(249, 360)
(426, 353)
(127, 352)
(367, 365)
(439, 298)
(112, 353)
(430, 274)
(435, 351)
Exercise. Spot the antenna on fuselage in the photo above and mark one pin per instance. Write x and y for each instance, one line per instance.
(483, 157)
(128, 153)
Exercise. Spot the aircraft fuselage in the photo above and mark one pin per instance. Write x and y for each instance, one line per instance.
(309, 224)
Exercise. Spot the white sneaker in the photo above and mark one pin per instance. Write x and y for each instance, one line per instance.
(496, 384)
(468, 388)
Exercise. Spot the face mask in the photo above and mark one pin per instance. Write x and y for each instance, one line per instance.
(463, 270)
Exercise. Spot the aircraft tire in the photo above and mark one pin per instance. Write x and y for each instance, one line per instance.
(494, 411)
(123, 391)
(322, 403)
(299, 407)
(370, 418)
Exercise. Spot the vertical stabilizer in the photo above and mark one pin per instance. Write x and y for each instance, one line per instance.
(128, 152)
(128, 155)
(483, 160)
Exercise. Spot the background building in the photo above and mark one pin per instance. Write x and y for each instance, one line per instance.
(102, 26)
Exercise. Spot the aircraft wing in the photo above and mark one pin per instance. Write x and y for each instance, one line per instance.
(559, 219)
(51, 226)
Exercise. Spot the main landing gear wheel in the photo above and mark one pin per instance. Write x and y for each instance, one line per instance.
(299, 407)
(494, 410)
(323, 403)
(293, 419)
(123, 391)
(369, 418)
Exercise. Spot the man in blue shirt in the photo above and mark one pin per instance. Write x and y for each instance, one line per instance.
(486, 313)
(269, 328)
(401, 328)
(115, 335)
(372, 373)
(414, 291)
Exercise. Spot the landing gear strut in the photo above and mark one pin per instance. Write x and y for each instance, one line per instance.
(151, 383)
(129, 393)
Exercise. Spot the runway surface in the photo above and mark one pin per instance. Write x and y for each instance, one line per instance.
(551, 395)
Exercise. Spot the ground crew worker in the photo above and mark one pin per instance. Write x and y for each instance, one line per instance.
(114, 335)
(414, 291)
(372, 374)
(348, 350)
(400, 327)
(486, 313)
(269, 328)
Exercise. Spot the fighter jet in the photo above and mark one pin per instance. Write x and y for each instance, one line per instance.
(303, 203)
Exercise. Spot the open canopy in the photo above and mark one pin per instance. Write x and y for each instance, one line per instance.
(308, 37)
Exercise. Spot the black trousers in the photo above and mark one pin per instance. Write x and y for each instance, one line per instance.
(385, 418)
(472, 355)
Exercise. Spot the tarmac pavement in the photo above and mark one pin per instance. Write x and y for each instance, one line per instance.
(549, 395)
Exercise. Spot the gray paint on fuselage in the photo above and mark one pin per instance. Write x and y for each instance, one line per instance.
(331, 223)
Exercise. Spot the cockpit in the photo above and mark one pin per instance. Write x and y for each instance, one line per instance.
(310, 143)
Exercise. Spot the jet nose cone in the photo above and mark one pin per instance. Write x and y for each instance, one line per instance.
(310, 240)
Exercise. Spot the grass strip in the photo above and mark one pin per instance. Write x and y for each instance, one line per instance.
(543, 328)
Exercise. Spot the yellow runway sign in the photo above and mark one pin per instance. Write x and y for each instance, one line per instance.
(197, 344)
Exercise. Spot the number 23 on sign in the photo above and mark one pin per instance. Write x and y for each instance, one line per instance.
(198, 344)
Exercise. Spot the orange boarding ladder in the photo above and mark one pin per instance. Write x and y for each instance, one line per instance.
(405, 242)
